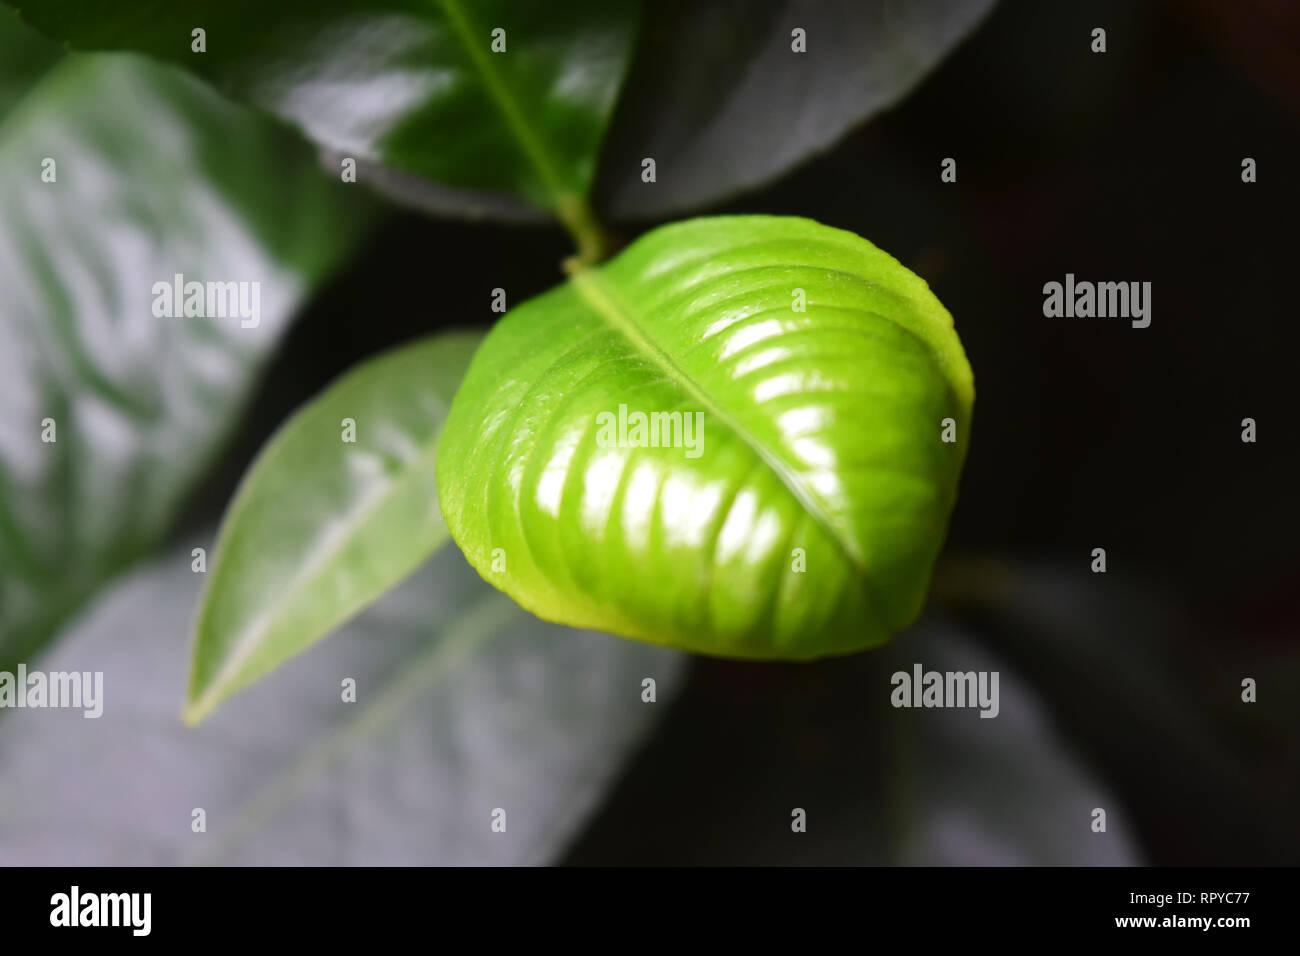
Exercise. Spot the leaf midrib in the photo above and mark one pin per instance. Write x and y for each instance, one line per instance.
(250, 637)
(600, 296)
(533, 146)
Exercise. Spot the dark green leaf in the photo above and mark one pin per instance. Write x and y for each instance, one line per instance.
(339, 507)
(24, 57)
(964, 790)
(413, 84)
(930, 786)
(804, 492)
(1149, 689)
(720, 100)
(464, 704)
(147, 185)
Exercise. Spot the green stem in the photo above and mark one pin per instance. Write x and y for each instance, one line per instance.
(572, 210)
(586, 230)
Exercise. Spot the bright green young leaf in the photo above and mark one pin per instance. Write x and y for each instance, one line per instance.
(119, 174)
(413, 84)
(338, 507)
(463, 703)
(730, 439)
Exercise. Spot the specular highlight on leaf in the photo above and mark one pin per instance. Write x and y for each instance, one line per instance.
(740, 437)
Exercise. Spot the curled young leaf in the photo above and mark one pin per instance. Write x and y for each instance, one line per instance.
(741, 437)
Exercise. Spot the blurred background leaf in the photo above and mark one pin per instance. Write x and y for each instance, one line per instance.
(1145, 692)
(148, 185)
(1012, 790)
(24, 56)
(324, 523)
(464, 704)
(722, 103)
(747, 743)
(411, 84)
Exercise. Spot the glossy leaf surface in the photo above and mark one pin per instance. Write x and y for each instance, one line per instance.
(792, 490)
(118, 175)
(415, 85)
(339, 507)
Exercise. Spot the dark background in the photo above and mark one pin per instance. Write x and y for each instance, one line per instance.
(1088, 433)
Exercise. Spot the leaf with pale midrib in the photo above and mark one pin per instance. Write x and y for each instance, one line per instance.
(412, 84)
(321, 526)
(822, 442)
